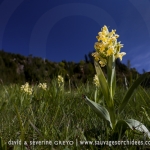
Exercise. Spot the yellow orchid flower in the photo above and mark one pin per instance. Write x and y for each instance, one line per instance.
(120, 55)
(106, 46)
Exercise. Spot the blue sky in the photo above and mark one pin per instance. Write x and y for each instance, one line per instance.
(66, 30)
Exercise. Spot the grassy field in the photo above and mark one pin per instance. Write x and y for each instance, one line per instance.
(58, 115)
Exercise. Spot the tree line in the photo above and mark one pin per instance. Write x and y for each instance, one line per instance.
(15, 68)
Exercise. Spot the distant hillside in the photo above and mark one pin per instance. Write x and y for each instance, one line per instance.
(15, 68)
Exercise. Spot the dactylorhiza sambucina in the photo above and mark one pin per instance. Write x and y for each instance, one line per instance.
(60, 80)
(26, 88)
(96, 81)
(106, 46)
(107, 51)
(43, 86)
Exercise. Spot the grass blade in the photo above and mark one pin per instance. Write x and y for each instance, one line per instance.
(120, 128)
(35, 128)
(21, 125)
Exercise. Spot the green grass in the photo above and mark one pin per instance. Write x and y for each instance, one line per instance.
(56, 115)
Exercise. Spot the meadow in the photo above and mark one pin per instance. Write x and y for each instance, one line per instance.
(57, 114)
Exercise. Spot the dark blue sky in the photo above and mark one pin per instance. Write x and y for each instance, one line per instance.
(66, 30)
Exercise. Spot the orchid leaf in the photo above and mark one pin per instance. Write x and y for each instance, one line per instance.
(131, 91)
(123, 125)
(136, 125)
(103, 83)
(100, 110)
